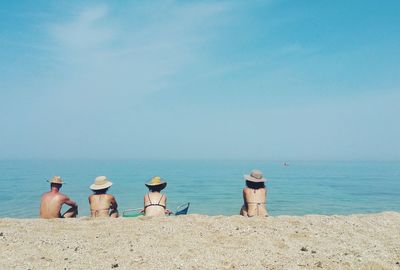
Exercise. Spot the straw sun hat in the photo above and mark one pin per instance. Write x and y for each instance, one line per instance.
(156, 181)
(56, 180)
(255, 176)
(101, 182)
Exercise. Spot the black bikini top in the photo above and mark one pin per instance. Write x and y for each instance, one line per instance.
(154, 204)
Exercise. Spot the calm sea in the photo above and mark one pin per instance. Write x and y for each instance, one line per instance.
(212, 187)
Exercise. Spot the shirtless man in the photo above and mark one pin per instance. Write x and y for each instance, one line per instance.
(155, 203)
(52, 201)
(102, 204)
(254, 195)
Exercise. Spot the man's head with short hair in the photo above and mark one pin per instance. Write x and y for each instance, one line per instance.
(56, 182)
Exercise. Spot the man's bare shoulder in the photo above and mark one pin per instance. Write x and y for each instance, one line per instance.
(62, 196)
(44, 194)
(47, 196)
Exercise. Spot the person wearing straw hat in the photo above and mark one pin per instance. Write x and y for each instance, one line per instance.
(254, 195)
(155, 203)
(101, 203)
(52, 201)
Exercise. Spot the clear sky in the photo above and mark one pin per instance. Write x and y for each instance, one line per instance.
(278, 80)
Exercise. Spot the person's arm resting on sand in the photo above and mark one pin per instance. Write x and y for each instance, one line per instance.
(114, 204)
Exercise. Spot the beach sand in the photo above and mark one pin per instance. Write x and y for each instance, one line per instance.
(202, 242)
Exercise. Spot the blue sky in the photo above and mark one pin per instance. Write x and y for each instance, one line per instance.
(278, 80)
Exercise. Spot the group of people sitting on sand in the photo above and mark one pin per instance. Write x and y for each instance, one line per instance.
(154, 202)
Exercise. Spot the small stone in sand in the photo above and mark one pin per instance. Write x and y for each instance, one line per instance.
(304, 249)
(319, 264)
(313, 251)
(1, 234)
(114, 265)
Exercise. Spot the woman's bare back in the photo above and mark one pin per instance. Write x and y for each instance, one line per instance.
(101, 205)
(254, 202)
(155, 204)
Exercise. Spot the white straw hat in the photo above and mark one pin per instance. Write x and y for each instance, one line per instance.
(255, 176)
(101, 182)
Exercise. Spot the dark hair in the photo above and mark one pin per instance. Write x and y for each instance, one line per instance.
(255, 185)
(57, 185)
(157, 188)
(100, 191)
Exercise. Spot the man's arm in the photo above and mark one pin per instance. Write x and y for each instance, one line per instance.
(70, 202)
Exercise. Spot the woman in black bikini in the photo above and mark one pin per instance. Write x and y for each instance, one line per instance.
(102, 204)
(155, 203)
(254, 195)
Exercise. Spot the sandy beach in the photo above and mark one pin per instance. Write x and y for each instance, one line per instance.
(203, 242)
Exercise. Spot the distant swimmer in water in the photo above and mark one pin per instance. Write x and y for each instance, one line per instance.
(285, 164)
(101, 203)
(155, 203)
(254, 195)
(52, 201)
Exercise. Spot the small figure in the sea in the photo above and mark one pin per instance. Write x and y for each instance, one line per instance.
(52, 201)
(155, 203)
(254, 195)
(101, 203)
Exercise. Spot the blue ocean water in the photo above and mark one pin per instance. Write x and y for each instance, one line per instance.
(212, 187)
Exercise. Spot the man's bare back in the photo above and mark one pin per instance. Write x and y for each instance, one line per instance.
(52, 202)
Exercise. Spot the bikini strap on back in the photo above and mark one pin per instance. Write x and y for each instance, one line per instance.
(160, 199)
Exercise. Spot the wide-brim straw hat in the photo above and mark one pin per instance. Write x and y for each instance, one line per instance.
(156, 181)
(56, 180)
(255, 176)
(101, 182)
